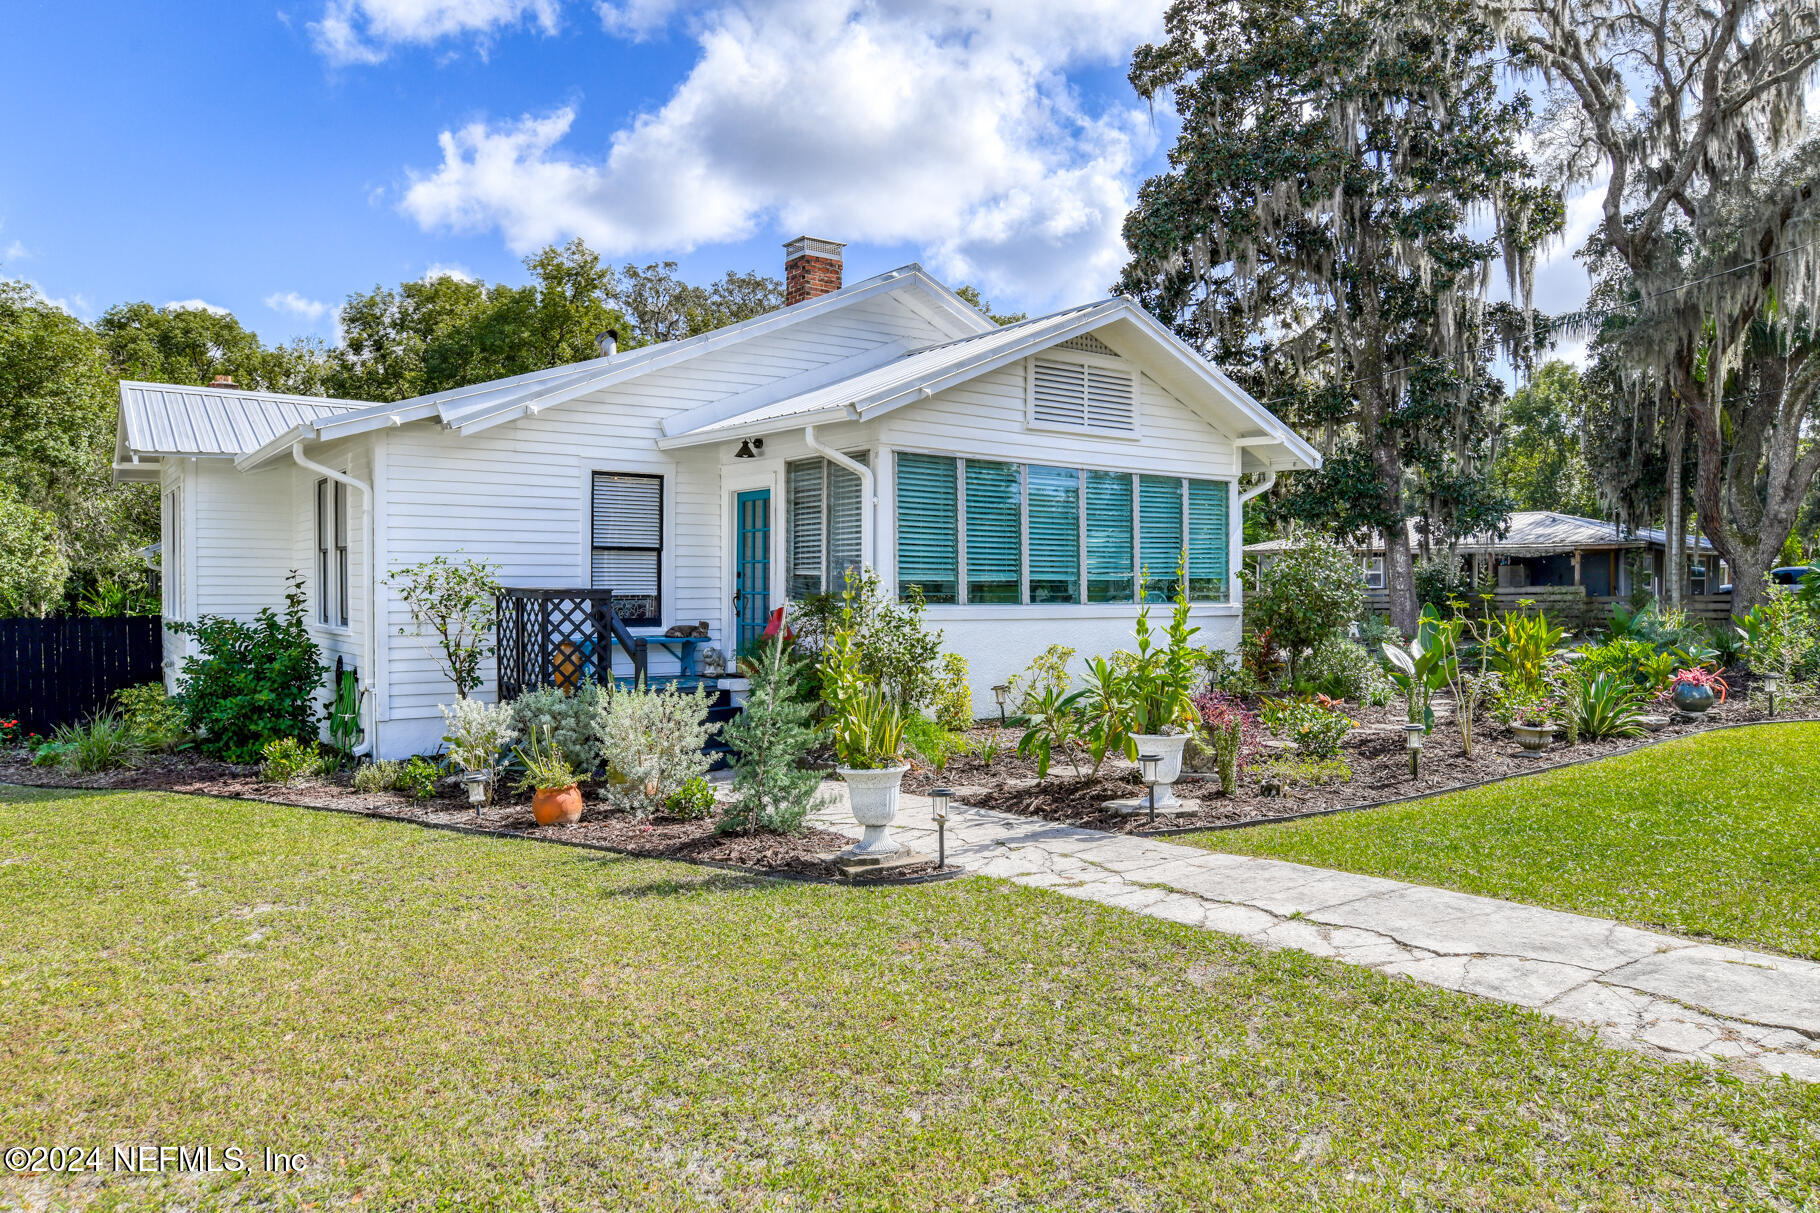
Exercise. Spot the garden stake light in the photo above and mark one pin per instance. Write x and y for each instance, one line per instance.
(1000, 692)
(1412, 741)
(939, 800)
(1147, 768)
(1770, 683)
(476, 782)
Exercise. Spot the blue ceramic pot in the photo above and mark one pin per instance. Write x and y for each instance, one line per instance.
(1692, 700)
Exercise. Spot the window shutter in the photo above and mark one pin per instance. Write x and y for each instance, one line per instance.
(1055, 534)
(846, 514)
(928, 549)
(1109, 555)
(1111, 399)
(1060, 393)
(803, 485)
(1160, 527)
(628, 511)
(994, 532)
(1209, 558)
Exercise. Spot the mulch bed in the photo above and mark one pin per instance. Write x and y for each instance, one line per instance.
(1374, 751)
(795, 855)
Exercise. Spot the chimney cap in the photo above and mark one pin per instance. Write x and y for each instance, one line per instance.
(607, 343)
(813, 246)
(224, 381)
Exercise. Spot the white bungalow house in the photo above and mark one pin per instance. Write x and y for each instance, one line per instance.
(1023, 477)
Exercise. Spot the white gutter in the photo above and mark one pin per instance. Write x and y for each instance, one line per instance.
(868, 541)
(369, 698)
(1270, 478)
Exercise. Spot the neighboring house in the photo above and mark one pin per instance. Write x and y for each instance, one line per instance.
(1544, 550)
(1023, 478)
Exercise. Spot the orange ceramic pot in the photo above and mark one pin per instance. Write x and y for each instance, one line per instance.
(557, 806)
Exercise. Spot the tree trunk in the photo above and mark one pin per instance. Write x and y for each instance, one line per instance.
(1400, 579)
(1674, 534)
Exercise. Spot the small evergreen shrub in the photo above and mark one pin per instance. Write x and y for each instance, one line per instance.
(153, 716)
(652, 741)
(250, 683)
(898, 654)
(417, 778)
(932, 742)
(772, 790)
(1315, 727)
(693, 801)
(380, 776)
(572, 719)
(1341, 669)
(953, 706)
(478, 735)
(286, 758)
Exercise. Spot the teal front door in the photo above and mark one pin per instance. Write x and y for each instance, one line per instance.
(751, 564)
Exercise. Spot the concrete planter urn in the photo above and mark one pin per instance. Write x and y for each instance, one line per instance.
(1534, 738)
(874, 798)
(1168, 747)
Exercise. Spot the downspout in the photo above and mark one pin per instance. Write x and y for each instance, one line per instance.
(1263, 486)
(369, 699)
(868, 536)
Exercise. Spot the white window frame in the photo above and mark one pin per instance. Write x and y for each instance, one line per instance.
(1123, 366)
(170, 556)
(786, 521)
(329, 511)
(665, 509)
(1374, 572)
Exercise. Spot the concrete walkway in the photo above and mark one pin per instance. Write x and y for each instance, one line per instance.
(1671, 997)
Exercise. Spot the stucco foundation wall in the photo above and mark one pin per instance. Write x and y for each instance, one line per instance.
(1000, 642)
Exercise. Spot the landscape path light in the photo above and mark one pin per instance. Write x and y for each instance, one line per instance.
(1147, 770)
(477, 783)
(1001, 692)
(1770, 683)
(939, 800)
(1413, 735)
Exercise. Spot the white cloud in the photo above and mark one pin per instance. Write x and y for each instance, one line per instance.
(297, 305)
(948, 125)
(444, 269)
(195, 305)
(16, 251)
(367, 31)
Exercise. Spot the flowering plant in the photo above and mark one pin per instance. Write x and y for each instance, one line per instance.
(1695, 677)
(9, 731)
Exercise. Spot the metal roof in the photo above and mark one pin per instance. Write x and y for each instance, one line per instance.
(1532, 533)
(172, 419)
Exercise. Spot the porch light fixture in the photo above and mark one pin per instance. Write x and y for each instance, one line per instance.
(1770, 683)
(939, 800)
(749, 448)
(1147, 770)
(1001, 692)
(1413, 736)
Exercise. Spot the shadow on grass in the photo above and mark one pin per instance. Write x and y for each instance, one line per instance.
(20, 793)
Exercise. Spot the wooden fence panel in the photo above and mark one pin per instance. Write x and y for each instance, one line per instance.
(54, 671)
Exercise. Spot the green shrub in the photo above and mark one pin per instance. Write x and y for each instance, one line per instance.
(1633, 661)
(897, 655)
(1294, 769)
(1048, 669)
(477, 737)
(153, 716)
(652, 741)
(1309, 593)
(451, 604)
(250, 683)
(286, 758)
(1341, 669)
(101, 743)
(380, 776)
(693, 801)
(1315, 728)
(1439, 580)
(931, 742)
(571, 719)
(417, 778)
(772, 790)
(953, 705)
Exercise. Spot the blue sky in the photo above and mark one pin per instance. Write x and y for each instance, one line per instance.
(272, 158)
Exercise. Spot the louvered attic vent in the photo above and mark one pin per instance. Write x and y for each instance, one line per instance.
(1087, 343)
(1083, 396)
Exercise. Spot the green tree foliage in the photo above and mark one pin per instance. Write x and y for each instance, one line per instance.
(1317, 235)
(972, 295)
(1540, 463)
(33, 569)
(1306, 595)
(193, 345)
(247, 684)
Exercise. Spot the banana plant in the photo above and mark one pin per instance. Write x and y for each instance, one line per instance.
(1426, 664)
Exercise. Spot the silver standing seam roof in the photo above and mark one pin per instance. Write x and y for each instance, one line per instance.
(166, 419)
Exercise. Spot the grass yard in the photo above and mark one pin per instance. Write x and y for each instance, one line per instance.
(445, 1022)
(1715, 835)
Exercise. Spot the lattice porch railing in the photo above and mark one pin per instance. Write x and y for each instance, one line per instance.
(561, 637)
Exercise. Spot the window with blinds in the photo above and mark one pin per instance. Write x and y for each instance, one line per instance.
(1160, 538)
(995, 541)
(1111, 559)
(1052, 535)
(928, 528)
(628, 544)
(1083, 396)
(824, 526)
(1054, 496)
(331, 552)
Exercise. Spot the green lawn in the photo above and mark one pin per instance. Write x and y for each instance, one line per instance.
(1715, 835)
(446, 1022)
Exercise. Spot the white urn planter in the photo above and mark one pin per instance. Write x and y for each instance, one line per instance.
(873, 795)
(1168, 747)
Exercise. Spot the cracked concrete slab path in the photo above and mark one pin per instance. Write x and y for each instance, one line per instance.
(1672, 997)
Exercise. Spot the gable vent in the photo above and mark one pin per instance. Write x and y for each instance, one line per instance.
(1087, 343)
(1083, 396)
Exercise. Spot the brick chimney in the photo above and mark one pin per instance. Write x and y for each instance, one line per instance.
(224, 381)
(811, 268)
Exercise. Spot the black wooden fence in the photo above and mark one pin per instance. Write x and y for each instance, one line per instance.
(53, 671)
